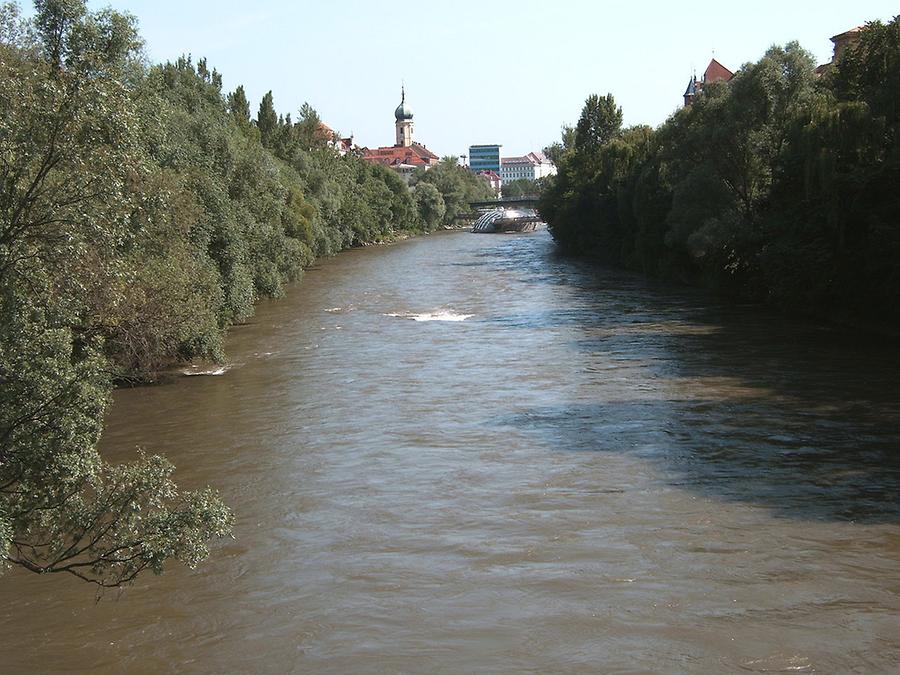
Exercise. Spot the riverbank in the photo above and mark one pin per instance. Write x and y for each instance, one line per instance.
(777, 186)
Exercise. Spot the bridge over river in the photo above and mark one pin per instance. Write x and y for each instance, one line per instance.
(524, 202)
(516, 214)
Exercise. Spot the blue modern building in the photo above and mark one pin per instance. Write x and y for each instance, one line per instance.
(484, 158)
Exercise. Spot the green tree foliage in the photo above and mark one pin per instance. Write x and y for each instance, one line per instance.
(71, 155)
(457, 186)
(522, 187)
(774, 186)
(239, 106)
(310, 134)
(600, 122)
(430, 204)
(57, 23)
(557, 151)
(580, 204)
(832, 230)
(267, 120)
(141, 215)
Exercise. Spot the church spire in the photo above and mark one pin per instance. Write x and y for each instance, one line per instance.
(404, 124)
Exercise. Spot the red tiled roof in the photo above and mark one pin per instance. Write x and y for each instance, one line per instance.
(415, 155)
(716, 72)
(327, 132)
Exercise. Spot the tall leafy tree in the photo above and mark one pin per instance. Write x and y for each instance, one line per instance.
(56, 22)
(267, 120)
(430, 204)
(600, 122)
(69, 136)
(239, 106)
(309, 131)
(557, 151)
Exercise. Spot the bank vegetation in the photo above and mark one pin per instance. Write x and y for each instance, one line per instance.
(778, 186)
(143, 211)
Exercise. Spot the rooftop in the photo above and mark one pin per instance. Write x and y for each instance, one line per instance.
(848, 33)
(716, 72)
(414, 155)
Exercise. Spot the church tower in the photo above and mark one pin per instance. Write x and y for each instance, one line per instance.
(404, 123)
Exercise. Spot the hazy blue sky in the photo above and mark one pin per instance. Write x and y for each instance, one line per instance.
(491, 71)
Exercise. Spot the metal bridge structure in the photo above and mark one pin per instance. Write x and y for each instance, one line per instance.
(500, 221)
(525, 202)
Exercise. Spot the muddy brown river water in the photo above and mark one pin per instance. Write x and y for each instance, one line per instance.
(464, 453)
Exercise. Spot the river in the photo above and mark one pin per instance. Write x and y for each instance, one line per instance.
(465, 453)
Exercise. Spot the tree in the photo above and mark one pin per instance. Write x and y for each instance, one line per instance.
(310, 134)
(525, 187)
(56, 20)
(70, 139)
(776, 185)
(832, 241)
(599, 123)
(267, 120)
(870, 70)
(239, 106)
(141, 215)
(458, 186)
(430, 204)
(14, 33)
(557, 151)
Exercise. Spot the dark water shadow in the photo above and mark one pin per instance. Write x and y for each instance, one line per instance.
(799, 465)
(735, 402)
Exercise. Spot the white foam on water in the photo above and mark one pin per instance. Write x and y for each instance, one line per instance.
(443, 315)
(194, 371)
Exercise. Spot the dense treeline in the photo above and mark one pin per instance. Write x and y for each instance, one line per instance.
(778, 185)
(142, 213)
(455, 185)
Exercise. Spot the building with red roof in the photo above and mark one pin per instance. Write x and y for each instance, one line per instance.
(715, 72)
(405, 156)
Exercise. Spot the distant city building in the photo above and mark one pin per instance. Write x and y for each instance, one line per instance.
(533, 166)
(841, 42)
(484, 158)
(405, 156)
(493, 179)
(715, 72)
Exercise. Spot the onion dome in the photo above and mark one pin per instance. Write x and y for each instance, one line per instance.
(403, 111)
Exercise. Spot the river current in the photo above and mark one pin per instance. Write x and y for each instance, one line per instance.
(465, 453)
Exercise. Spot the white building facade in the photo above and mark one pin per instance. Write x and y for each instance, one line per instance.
(532, 166)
